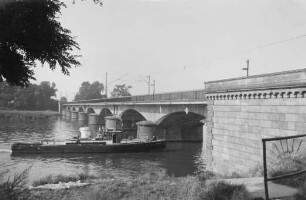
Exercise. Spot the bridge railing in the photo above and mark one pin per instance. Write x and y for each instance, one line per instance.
(170, 96)
(119, 99)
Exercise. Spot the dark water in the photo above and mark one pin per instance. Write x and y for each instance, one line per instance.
(179, 159)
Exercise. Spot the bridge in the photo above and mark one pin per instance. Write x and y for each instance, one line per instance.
(230, 116)
(176, 114)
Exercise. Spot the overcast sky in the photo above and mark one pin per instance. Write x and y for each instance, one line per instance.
(180, 43)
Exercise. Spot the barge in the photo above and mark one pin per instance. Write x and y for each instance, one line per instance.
(111, 139)
(87, 146)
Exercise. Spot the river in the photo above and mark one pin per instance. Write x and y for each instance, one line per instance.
(179, 159)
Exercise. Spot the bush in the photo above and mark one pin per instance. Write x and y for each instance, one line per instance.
(225, 191)
(289, 164)
(15, 188)
(205, 175)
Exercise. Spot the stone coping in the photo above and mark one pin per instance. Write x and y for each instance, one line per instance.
(286, 79)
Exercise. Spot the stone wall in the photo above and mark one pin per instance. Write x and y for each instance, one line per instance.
(238, 119)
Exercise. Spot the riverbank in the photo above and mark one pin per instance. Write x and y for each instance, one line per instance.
(27, 114)
(155, 185)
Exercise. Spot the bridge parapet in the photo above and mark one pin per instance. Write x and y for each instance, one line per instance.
(160, 97)
(288, 84)
(279, 80)
(172, 96)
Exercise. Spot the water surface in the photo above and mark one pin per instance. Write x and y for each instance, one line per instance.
(179, 159)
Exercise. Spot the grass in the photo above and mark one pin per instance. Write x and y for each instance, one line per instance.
(225, 191)
(52, 179)
(256, 171)
(148, 186)
(158, 185)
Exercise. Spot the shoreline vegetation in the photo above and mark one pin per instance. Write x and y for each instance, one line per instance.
(150, 186)
(27, 114)
(154, 185)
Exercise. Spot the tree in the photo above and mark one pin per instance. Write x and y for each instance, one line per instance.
(7, 94)
(29, 33)
(121, 91)
(63, 100)
(90, 91)
(33, 97)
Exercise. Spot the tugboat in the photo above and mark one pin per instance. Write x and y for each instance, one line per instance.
(109, 140)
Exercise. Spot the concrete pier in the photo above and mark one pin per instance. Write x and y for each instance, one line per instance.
(74, 115)
(82, 116)
(63, 113)
(94, 118)
(68, 114)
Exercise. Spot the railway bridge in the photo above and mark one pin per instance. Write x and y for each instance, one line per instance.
(179, 115)
(230, 116)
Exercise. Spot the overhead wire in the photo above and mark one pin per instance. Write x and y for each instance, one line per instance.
(190, 65)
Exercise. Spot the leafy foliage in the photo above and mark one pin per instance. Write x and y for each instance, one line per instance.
(63, 100)
(90, 91)
(30, 32)
(34, 97)
(15, 187)
(121, 91)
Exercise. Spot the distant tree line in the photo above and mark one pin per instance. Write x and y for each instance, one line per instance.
(42, 96)
(33, 97)
(96, 90)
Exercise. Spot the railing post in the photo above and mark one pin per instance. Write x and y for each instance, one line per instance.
(265, 169)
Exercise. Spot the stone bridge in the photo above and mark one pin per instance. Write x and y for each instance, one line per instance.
(179, 115)
(231, 116)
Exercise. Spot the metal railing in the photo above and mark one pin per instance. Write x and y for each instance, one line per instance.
(266, 179)
(171, 96)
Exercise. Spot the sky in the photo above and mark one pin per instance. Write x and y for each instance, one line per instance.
(179, 43)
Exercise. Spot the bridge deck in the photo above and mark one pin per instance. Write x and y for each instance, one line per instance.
(184, 97)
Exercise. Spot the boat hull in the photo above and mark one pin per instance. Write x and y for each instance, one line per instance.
(38, 148)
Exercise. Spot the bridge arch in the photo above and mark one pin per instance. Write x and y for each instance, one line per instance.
(103, 113)
(180, 118)
(90, 110)
(80, 109)
(181, 126)
(130, 117)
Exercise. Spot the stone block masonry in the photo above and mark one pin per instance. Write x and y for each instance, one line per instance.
(242, 111)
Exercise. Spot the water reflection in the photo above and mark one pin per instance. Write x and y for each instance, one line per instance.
(179, 159)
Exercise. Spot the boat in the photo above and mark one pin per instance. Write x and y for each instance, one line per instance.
(112, 142)
(110, 139)
(87, 146)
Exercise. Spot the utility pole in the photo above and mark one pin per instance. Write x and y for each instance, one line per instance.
(149, 84)
(153, 84)
(247, 68)
(106, 85)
